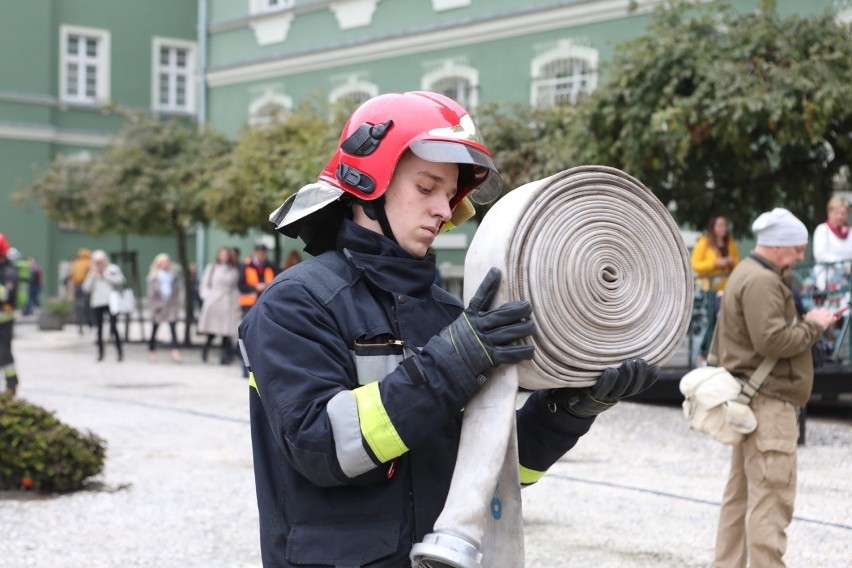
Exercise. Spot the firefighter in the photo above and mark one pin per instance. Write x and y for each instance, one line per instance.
(256, 274)
(8, 297)
(361, 366)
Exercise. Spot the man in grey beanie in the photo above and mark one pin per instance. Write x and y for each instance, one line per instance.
(758, 319)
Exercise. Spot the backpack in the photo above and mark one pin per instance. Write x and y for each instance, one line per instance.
(22, 295)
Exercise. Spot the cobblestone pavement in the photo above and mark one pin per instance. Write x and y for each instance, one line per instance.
(177, 491)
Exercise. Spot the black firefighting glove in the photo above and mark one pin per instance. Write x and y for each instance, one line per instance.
(630, 378)
(485, 338)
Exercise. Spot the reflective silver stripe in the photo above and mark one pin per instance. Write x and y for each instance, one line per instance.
(371, 368)
(343, 414)
(243, 353)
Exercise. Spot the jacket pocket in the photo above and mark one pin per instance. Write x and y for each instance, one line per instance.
(376, 357)
(352, 544)
(776, 438)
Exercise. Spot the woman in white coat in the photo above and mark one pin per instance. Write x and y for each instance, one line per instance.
(833, 246)
(220, 310)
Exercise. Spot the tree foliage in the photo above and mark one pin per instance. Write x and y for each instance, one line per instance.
(527, 144)
(271, 162)
(150, 180)
(720, 112)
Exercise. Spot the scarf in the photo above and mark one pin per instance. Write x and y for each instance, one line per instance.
(165, 279)
(840, 232)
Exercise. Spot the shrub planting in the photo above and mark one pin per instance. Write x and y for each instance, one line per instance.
(39, 452)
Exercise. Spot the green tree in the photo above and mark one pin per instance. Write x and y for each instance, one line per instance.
(527, 144)
(268, 164)
(150, 181)
(722, 112)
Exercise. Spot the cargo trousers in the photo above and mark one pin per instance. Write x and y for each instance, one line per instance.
(757, 505)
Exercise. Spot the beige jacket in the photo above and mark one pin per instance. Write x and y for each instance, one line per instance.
(754, 323)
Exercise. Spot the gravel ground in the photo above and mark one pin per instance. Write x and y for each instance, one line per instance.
(177, 491)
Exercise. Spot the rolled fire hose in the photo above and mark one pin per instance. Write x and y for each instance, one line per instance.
(609, 278)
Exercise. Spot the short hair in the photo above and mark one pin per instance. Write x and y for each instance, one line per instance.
(100, 256)
(836, 201)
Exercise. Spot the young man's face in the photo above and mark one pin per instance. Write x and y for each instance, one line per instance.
(417, 201)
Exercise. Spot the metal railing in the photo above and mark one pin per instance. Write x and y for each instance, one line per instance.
(818, 284)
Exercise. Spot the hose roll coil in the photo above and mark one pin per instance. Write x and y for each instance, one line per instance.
(602, 262)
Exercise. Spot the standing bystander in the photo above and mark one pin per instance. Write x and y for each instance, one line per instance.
(758, 319)
(832, 246)
(82, 300)
(715, 255)
(103, 278)
(163, 303)
(256, 274)
(220, 310)
(8, 295)
(36, 277)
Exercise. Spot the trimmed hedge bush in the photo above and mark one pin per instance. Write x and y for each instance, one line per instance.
(39, 452)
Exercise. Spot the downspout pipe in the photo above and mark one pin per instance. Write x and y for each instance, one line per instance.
(201, 116)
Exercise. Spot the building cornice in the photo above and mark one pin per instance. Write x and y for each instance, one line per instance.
(42, 133)
(518, 23)
(28, 98)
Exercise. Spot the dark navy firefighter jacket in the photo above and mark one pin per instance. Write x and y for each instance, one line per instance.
(356, 406)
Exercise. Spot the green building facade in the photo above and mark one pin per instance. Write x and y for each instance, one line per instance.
(60, 62)
(262, 57)
(238, 63)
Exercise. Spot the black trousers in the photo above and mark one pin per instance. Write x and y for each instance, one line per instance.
(152, 344)
(100, 313)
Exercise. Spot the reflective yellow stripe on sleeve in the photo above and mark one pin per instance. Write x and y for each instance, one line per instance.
(530, 476)
(253, 383)
(376, 426)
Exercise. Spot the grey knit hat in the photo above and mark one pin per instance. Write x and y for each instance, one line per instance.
(779, 228)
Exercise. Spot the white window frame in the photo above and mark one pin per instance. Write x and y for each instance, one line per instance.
(353, 85)
(101, 62)
(268, 98)
(565, 50)
(190, 73)
(452, 70)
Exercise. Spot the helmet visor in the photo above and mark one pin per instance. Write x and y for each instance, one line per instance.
(486, 185)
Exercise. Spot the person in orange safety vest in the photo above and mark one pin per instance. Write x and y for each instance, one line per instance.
(256, 274)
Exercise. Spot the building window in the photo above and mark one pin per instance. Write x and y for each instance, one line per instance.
(173, 82)
(354, 90)
(457, 81)
(563, 74)
(84, 65)
(269, 108)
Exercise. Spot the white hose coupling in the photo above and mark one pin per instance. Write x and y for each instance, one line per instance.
(442, 550)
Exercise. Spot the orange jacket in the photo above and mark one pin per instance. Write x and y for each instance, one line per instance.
(250, 277)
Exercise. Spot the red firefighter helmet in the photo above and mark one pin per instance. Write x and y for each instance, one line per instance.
(4, 245)
(433, 126)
